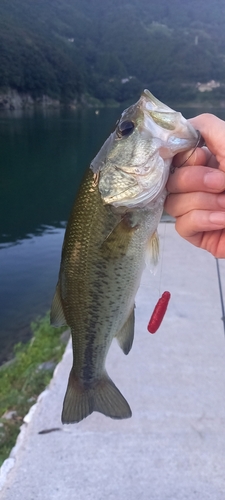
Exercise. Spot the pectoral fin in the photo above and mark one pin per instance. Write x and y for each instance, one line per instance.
(125, 336)
(152, 252)
(118, 240)
(57, 317)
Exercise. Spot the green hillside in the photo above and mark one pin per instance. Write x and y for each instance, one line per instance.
(109, 50)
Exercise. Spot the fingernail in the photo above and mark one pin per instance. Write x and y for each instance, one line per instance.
(217, 218)
(215, 179)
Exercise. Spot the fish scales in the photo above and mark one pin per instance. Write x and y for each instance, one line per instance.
(100, 282)
(110, 231)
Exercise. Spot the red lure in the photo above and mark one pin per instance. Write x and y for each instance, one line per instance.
(159, 312)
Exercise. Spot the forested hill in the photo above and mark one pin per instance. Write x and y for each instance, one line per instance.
(110, 49)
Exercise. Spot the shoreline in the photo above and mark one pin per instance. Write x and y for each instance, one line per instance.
(11, 100)
(25, 377)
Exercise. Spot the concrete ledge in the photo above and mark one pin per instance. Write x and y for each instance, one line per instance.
(173, 447)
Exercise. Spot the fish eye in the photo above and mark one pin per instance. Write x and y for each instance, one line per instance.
(125, 128)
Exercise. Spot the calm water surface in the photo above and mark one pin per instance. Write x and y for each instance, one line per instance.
(42, 160)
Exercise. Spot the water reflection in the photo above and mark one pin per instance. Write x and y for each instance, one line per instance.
(43, 158)
(28, 275)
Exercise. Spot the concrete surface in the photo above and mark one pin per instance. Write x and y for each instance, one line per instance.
(173, 447)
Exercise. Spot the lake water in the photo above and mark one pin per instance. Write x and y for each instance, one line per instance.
(43, 156)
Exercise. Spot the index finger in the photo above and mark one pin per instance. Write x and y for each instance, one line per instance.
(212, 130)
(196, 178)
(198, 156)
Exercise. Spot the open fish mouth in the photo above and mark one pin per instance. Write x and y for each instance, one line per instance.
(167, 126)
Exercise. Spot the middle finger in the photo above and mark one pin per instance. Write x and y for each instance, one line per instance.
(196, 178)
(180, 204)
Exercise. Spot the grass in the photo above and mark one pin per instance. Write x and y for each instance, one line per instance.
(23, 379)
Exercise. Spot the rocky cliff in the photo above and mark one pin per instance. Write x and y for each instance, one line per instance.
(11, 100)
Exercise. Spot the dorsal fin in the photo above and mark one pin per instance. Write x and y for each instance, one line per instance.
(57, 317)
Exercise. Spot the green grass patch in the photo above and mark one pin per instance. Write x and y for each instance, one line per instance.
(23, 379)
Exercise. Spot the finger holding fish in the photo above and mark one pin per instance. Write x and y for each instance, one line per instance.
(198, 156)
(189, 179)
(196, 191)
(178, 205)
(212, 130)
(204, 229)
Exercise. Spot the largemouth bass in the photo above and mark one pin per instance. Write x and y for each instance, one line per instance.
(110, 234)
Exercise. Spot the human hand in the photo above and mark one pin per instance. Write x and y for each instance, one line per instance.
(197, 197)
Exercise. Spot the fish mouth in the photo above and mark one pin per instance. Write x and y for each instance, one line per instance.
(199, 144)
(153, 103)
(174, 131)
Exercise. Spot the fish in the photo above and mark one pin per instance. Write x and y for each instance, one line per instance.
(110, 236)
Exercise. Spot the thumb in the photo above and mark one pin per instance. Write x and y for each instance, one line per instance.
(212, 130)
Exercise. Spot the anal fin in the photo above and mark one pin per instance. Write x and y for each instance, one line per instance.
(152, 252)
(125, 336)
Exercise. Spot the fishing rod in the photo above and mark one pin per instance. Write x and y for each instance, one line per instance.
(221, 293)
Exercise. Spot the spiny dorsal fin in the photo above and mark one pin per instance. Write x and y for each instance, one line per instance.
(125, 336)
(57, 317)
(152, 252)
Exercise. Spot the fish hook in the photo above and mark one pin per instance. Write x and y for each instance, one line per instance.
(200, 142)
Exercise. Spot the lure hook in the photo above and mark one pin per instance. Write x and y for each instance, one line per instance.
(200, 142)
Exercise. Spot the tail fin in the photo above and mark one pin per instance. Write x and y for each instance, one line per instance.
(104, 397)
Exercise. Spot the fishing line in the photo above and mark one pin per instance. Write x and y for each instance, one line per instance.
(221, 293)
(200, 142)
(162, 259)
(162, 304)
